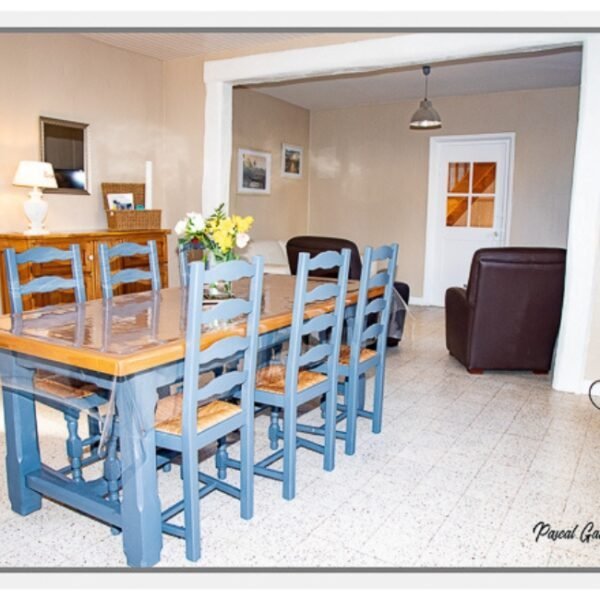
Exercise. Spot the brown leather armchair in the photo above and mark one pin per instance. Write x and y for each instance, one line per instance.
(509, 314)
(314, 244)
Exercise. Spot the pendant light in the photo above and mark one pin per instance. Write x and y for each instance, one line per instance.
(426, 117)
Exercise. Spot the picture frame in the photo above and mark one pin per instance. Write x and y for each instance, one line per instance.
(120, 201)
(253, 172)
(64, 144)
(292, 159)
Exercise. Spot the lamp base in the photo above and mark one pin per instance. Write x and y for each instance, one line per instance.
(36, 209)
(33, 231)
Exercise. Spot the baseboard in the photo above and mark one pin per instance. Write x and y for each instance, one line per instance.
(586, 386)
(417, 301)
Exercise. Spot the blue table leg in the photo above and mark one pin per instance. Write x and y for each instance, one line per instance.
(140, 505)
(22, 445)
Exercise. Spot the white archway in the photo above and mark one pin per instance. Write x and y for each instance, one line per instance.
(416, 49)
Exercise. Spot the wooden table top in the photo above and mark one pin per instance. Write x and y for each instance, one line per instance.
(139, 331)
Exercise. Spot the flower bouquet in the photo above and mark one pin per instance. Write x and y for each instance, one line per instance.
(219, 237)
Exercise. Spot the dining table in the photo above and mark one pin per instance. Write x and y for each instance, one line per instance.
(132, 347)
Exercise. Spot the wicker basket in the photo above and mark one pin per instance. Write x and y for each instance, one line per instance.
(130, 219)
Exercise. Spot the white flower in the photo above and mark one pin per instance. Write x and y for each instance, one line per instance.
(196, 221)
(180, 227)
(241, 240)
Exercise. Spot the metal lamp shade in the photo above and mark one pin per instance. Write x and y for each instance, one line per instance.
(426, 117)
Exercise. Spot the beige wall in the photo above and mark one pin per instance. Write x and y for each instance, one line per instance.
(183, 148)
(182, 152)
(263, 123)
(67, 76)
(368, 177)
(138, 108)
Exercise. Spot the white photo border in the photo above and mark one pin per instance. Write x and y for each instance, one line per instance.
(240, 172)
(300, 150)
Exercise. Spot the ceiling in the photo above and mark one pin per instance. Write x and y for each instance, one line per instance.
(167, 46)
(497, 74)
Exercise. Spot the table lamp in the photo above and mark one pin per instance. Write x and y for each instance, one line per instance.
(35, 174)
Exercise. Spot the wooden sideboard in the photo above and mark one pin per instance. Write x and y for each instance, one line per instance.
(88, 242)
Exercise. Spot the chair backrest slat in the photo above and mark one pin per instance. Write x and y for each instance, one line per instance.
(371, 332)
(128, 249)
(41, 254)
(326, 260)
(224, 348)
(382, 253)
(318, 324)
(227, 310)
(315, 354)
(379, 280)
(46, 283)
(222, 384)
(328, 327)
(322, 292)
(229, 271)
(130, 275)
(227, 348)
(375, 306)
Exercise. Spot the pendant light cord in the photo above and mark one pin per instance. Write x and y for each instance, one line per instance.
(426, 71)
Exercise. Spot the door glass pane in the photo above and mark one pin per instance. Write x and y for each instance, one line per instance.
(484, 178)
(458, 178)
(482, 211)
(457, 211)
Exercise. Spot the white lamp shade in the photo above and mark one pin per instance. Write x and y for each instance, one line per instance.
(33, 173)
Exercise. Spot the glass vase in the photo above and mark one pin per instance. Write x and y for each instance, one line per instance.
(220, 289)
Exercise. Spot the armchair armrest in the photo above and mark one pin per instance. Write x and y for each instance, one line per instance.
(457, 323)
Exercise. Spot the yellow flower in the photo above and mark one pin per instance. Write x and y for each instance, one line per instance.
(242, 224)
(223, 240)
(226, 226)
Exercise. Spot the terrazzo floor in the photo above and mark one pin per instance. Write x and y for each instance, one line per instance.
(464, 469)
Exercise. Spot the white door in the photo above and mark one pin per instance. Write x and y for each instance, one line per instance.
(469, 188)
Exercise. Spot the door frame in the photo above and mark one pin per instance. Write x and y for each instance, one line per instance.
(432, 235)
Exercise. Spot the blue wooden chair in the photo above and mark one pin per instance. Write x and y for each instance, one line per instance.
(184, 265)
(131, 275)
(61, 393)
(202, 414)
(287, 387)
(368, 327)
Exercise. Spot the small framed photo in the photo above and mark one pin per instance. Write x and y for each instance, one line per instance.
(120, 201)
(254, 172)
(291, 161)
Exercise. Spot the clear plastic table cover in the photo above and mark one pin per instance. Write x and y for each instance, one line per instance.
(117, 328)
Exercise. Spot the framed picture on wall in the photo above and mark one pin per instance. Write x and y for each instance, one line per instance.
(254, 172)
(291, 161)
